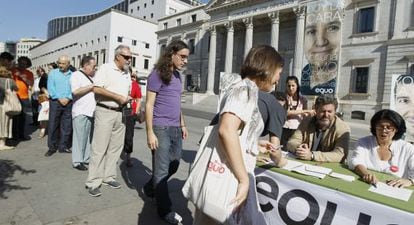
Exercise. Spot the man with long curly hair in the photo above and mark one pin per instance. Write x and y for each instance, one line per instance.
(165, 124)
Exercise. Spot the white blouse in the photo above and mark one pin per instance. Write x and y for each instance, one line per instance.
(365, 153)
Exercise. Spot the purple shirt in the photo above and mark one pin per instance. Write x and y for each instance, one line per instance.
(167, 106)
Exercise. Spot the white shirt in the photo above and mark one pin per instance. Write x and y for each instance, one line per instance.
(86, 104)
(366, 154)
(110, 77)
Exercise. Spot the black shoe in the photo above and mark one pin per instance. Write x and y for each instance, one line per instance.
(27, 138)
(81, 167)
(65, 151)
(49, 153)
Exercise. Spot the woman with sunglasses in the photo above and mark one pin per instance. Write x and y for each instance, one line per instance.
(385, 151)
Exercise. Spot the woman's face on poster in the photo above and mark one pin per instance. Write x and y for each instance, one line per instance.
(322, 36)
(404, 102)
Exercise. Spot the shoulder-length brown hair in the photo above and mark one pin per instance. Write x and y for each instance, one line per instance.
(261, 63)
(165, 64)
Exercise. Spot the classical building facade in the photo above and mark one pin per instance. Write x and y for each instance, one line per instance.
(377, 42)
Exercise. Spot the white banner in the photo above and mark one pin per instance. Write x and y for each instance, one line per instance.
(286, 200)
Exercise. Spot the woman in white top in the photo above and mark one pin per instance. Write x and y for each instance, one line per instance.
(296, 106)
(385, 151)
(239, 110)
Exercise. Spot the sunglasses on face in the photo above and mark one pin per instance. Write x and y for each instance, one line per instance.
(126, 57)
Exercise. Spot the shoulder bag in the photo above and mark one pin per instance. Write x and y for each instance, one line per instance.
(211, 185)
(11, 104)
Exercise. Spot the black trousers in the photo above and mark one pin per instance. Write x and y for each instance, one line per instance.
(35, 111)
(129, 121)
(19, 121)
(59, 126)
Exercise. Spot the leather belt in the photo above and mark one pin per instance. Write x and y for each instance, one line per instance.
(118, 109)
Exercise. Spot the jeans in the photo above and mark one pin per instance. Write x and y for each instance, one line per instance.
(166, 161)
(59, 126)
(82, 137)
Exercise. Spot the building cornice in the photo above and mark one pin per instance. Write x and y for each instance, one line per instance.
(185, 27)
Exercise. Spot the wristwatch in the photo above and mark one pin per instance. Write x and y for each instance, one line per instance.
(313, 158)
(412, 181)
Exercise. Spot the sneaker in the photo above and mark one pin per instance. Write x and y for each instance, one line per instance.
(173, 218)
(94, 192)
(112, 184)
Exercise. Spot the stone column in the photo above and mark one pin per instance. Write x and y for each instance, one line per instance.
(212, 61)
(399, 20)
(274, 38)
(229, 47)
(249, 35)
(199, 45)
(300, 31)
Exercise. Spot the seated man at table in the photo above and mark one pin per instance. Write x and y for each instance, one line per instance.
(323, 137)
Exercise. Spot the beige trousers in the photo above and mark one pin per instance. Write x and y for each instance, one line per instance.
(107, 145)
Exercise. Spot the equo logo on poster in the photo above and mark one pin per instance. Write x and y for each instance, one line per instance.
(324, 90)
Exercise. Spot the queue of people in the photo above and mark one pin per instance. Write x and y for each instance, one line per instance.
(85, 104)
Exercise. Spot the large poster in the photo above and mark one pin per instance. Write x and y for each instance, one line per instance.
(322, 44)
(402, 101)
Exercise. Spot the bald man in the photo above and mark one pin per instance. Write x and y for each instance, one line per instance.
(60, 109)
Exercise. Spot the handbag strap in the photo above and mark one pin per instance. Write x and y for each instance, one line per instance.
(7, 84)
(86, 76)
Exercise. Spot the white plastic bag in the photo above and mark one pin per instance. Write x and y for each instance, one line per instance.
(211, 185)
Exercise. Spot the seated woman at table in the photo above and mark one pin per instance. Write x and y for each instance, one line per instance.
(385, 151)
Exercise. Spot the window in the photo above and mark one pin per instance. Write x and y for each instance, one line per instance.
(358, 115)
(145, 5)
(119, 39)
(366, 17)
(134, 42)
(361, 80)
(165, 26)
(412, 69)
(191, 46)
(132, 10)
(146, 63)
(134, 59)
(152, 15)
(193, 18)
(145, 17)
(138, 8)
(178, 22)
(152, 2)
(147, 45)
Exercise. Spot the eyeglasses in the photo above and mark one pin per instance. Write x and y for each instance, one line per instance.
(126, 57)
(386, 128)
(183, 57)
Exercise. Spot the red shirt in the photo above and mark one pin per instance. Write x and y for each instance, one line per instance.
(136, 95)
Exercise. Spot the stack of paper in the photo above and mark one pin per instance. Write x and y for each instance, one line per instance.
(393, 192)
(306, 169)
(342, 176)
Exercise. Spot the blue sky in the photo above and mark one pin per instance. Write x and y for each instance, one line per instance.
(28, 18)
